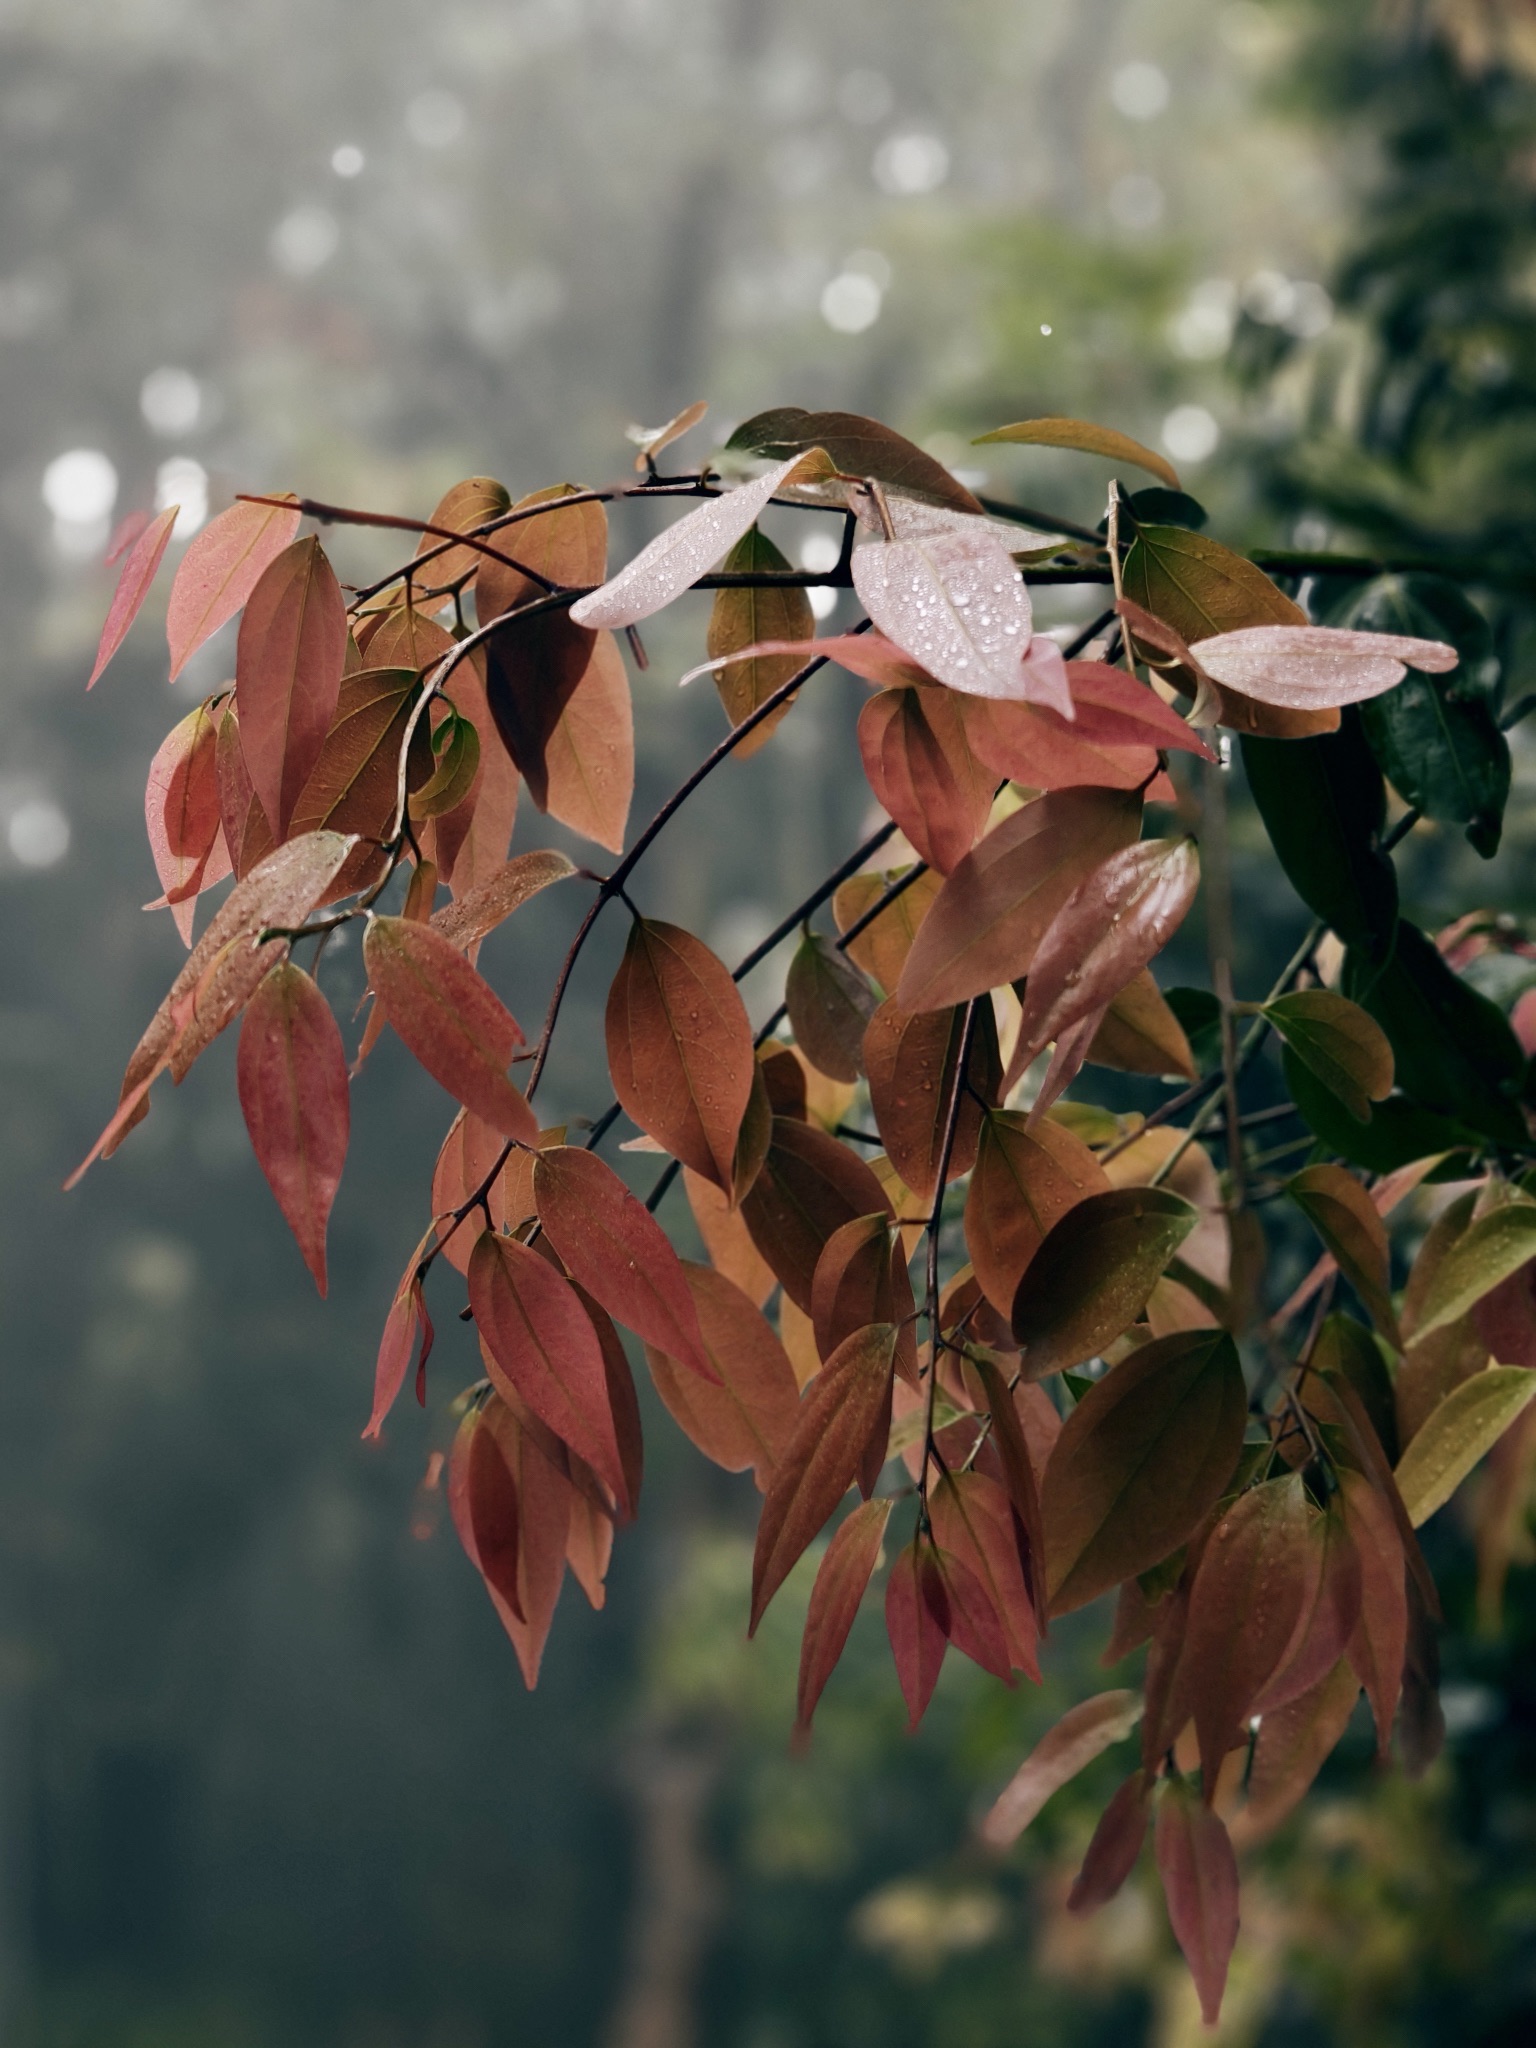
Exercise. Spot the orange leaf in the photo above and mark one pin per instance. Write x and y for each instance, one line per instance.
(746, 1415)
(1025, 1180)
(406, 1320)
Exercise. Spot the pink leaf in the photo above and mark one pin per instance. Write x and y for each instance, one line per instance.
(220, 570)
(181, 811)
(406, 1319)
(1310, 668)
(288, 664)
(133, 586)
(953, 602)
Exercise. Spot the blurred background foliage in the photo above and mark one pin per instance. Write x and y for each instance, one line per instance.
(267, 1771)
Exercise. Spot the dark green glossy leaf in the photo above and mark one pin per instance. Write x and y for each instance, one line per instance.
(1344, 1047)
(1399, 1131)
(1091, 1277)
(859, 447)
(1324, 806)
(1200, 1014)
(1453, 1048)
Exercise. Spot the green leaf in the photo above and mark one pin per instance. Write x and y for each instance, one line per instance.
(1346, 1347)
(859, 447)
(1494, 1247)
(1200, 1014)
(1324, 806)
(1468, 1422)
(1091, 1277)
(1341, 1212)
(1157, 507)
(1198, 587)
(1454, 1050)
(1140, 1462)
(1400, 1130)
(1345, 1047)
(1428, 607)
(1087, 439)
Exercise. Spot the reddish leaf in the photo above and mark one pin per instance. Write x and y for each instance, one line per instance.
(680, 1047)
(220, 569)
(1379, 1644)
(746, 1415)
(1294, 1741)
(666, 567)
(1112, 709)
(467, 1157)
(545, 1504)
(181, 811)
(507, 888)
(841, 1579)
(911, 1062)
(973, 1623)
(917, 1620)
(1010, 1445)
(973, 1523)
(1037, 748)
(138, 573)
(1199, 1873)
(1083, 1733)
(1140, 1034)
(1117, 919)
(237, 799)
(623, 1405)
(921, 767)
(541, 1343)
(808, 1187)
(1330, 1615)
(482, 1495)
(838, 1414)
(617, 1251)
(868, 655)
(995, 909)
(292, 1075)
(952, 599)
(1140, 1462)
(1247, 1598)
(1026, 1179)
(860, 1278)
(288, 664)
(1345, 1218)
(1116, 1846)
(450, 1019)
(406, 1320)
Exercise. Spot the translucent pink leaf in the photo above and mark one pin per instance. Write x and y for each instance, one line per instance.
(1083, 1732)
(133, 586)
(125, 533)
(674, 560)
(292, 1076)
(1115, 710)
(955, 604)
(220, 570)
(181, 811)
(1310, 668)
(407, 1319)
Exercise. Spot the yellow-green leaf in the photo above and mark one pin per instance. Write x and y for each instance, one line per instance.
(1468, 1422)
(744, 617)
(1339, 1042)
(1088, 440)
(1494, 1247)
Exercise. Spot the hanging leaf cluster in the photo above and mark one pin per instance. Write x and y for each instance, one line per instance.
(973, 1337)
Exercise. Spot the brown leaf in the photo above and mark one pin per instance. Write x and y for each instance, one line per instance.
(1087, 439)
(860, 447)
(920, 766)
(1140, 1462)
(973, 1523)
(469, 504)
(1294, 1742)
(1090, 1278)
(1342, 1214)
(355, 783)
(829, 1003)
(740, 619)
(1141, 1035)
(1025, 1181)
(746, 1416)
(1115, 1848)
(911, 1062)
(1379, 1644)
(837, 1416)
(680, 1047)
(544, 1500)
(808, 1187)
(492, 901)
(292, 1077)
(861, 1278)
(994, 910)
(917, 1620)
(841, 1579)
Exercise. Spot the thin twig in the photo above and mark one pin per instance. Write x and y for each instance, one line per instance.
(935, 1228)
